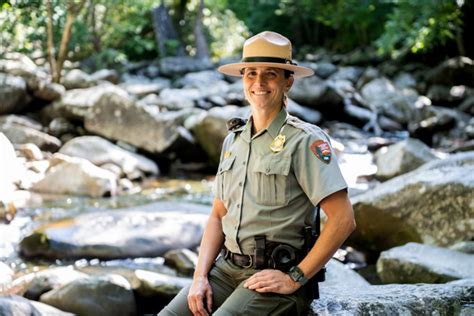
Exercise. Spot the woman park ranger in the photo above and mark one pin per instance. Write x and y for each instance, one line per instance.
(274, 169)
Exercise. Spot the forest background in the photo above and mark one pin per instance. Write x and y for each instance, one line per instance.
(112, 33)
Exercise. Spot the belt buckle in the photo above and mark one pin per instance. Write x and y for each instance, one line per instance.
(250, 262)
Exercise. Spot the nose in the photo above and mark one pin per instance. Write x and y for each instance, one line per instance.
(260, 79)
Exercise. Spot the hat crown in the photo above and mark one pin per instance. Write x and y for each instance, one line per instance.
(267, 44)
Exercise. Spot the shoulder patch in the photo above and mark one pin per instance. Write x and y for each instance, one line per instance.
(322, 150)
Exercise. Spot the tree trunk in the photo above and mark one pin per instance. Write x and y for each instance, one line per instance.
(201, 44)
(51, 50)
(72, 11)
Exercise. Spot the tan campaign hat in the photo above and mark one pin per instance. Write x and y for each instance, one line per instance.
(267, 49)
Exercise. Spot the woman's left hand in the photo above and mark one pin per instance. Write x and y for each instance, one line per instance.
(270, 280)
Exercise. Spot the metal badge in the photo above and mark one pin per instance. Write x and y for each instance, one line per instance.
(278, 143)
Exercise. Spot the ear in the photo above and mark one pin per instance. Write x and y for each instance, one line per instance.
(289, 83)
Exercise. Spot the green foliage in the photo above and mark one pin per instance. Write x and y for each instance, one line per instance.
(417, 26)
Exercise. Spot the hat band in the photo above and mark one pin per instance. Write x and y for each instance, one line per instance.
(267, 60)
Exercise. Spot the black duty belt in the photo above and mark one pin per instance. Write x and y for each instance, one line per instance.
(243, 261)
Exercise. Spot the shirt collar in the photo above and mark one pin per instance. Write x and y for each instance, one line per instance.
(273, 129)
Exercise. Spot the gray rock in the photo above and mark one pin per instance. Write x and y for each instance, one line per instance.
(325, 69)
(100, 151)
(467, 105)
(17, 64)
(347, 73)
(11, 169)
(6, 276)
(339, 275)
(13, 95)
(396, 299)
(200, 79)
(49, 91)
(107, 75)
(176, 99)
(113, 111)
(183, 260)
(142, 86)
(401, 158)
(173, 66)
(77, 79)
(76, 104)
(144, 231)
(76, 176)
(13, 305)
(46, 280)
(418, 263)
(404, 80)
(412, 207)
(304, 113)
(464, 246)
(20, 134)
(106, 295)
(448, 96)
(313, 91)
(452, 72)
(160, 285)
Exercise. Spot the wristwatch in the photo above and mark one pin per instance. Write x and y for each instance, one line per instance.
(297, 275)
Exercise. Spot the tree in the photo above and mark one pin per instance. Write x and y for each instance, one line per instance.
(73, 8)
(202, 52)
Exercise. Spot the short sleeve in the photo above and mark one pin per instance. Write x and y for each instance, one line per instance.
(316, 168)
(217, 186)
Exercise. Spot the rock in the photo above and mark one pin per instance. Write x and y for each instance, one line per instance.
(396, 299)
(46, 280)
(339, 275)
(142, 86)
(76, 176)
(160, 285)
(347, 73)
(77, 79)
(13, 305)
(13, 95)
(20, 65)
(49, 91)
(106, 75)
(449, 96)
(325, 69)
(183, 260)
(113, 111)
(404, 80)
(314, 92)
(412, 207)
(60, 126)
(467, 105)
(201, 79)
(144, 231)
(6, 276)
(11, 169)
(452, 72)
(177, 99)
(76, 104)
(210, 129)
(404, 156)
(464, 246)
(19, 134)
(100, 151)
(29, 151)
(106, 295)
(175, 66)
(418, 263)
(304, 113)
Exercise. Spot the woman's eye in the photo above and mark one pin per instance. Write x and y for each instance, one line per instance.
(271, 75)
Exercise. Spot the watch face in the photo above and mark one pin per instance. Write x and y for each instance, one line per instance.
(296, 274)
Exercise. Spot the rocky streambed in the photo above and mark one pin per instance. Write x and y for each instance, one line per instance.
(92, 222)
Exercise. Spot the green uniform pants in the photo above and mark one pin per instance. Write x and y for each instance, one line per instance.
(230, 298)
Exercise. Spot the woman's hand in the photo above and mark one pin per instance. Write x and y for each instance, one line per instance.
(270, 280)
(199, 292)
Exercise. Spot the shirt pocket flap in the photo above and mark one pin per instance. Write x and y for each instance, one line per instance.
(273, 165)
(226, 165)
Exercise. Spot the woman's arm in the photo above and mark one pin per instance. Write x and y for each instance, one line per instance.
(211, 244)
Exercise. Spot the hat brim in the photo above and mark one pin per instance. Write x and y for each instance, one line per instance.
(234, 69)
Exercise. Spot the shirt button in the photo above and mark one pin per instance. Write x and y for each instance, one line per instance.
(268, 169)
(245, 163)
(238, 205)
(240, 184)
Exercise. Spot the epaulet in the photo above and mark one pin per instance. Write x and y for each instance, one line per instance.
(302, 125)
(236, 124)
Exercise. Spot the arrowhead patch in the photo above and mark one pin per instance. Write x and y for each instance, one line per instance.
(322, 150)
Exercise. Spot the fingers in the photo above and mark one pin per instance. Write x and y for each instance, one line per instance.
(209, 300)
(195, 304)
(270, 281)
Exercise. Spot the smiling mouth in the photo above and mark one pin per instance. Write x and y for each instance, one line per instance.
(260, 92)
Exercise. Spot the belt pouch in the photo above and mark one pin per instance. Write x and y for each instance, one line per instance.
(259, 252)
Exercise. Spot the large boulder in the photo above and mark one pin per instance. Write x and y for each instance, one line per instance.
(76, 104)
(396, 299)
(13, 305)
(401, 157)
(120, 118)
(175, 66)
(100, 151)
(432, 205)
(454, 71)
(22, 134)
(76, 176)
(94, 296)
(13, 94)
(418, 263)
(142, 86)
(145, 231)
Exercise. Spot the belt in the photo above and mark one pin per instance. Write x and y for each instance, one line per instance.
(243, 261)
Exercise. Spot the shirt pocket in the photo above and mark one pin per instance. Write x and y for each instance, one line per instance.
(224, 177)
(271, 173)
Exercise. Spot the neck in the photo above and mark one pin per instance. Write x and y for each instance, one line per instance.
(262, 118)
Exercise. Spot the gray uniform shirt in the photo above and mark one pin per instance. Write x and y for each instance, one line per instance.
(273, 192)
